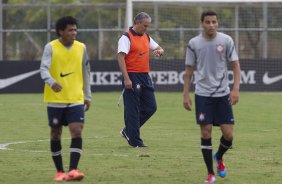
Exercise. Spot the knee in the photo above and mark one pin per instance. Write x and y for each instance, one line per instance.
(227, 132)
(206, 135)
(228, 137)
(56, 135)
(206, 132)
(76, 131)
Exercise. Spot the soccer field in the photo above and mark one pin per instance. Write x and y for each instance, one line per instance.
(173, 155)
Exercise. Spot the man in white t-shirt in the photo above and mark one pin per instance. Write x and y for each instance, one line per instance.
(133, 58)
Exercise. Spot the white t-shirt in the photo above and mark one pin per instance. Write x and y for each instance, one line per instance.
(124, 44)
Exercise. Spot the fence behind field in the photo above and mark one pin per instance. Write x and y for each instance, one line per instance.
(26, 27)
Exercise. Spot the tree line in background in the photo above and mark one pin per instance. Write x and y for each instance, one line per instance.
(102, 23)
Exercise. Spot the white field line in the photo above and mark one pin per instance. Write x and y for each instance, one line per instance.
(114, 154)
(5, 146)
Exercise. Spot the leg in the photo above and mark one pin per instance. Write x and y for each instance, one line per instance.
(131, 117)
(54, 118)
(225, 144)
(148, 105)
(204, 117)
(206, 146)
(76, 144)
(227, 131)
(75, 151)
(225, 140)
(76, 129)
(226, 120)
(56, 148)
(75, 119)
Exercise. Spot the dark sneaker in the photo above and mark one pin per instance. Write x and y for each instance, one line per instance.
(123, 134)
(141, 146)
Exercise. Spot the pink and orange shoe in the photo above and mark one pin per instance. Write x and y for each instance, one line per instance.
(60, 176)
(74, 175)
(210, 179)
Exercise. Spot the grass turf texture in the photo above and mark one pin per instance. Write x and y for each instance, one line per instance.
(173, 155)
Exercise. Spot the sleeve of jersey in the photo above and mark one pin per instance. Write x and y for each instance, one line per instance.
(153, 44)
(45, 65)
(231, 51)
(190, 57)
(123, 44)
(86, 76)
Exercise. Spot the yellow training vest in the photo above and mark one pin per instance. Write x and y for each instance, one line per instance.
(66, 69)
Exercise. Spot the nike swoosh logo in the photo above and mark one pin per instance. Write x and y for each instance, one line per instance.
(12, 80)
(270, 80)
(141, 53)
(64, 75)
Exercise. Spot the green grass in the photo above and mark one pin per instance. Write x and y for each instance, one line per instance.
(173, 155)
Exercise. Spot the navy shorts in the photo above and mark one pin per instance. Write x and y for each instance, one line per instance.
(63, 116)
(213, 110)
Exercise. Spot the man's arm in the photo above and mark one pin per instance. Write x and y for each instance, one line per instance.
(45, 67)
(187, 102)
(86, 80)
(234, 95)
(122, 66)
(157, 50)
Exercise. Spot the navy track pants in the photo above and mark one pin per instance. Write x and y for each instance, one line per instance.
(139, 106)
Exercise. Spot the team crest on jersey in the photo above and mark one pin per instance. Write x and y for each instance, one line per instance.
(55, 121)
(201, 116)
(220, 49)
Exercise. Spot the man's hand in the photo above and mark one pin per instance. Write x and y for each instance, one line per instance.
(128, 83)
(86, 105)
(234, 97)
(187, 102)
(56, 87)
(158, 52)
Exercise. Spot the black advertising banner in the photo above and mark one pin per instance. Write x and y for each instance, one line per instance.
(20, 77)
(24, 76)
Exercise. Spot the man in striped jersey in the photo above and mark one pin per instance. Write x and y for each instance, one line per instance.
(208, 54)
(65, 70)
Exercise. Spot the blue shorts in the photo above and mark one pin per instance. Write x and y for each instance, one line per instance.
(63, 116)
(213, 110)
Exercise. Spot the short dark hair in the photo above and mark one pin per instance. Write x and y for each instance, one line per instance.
(62, 23)
(207, 13)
